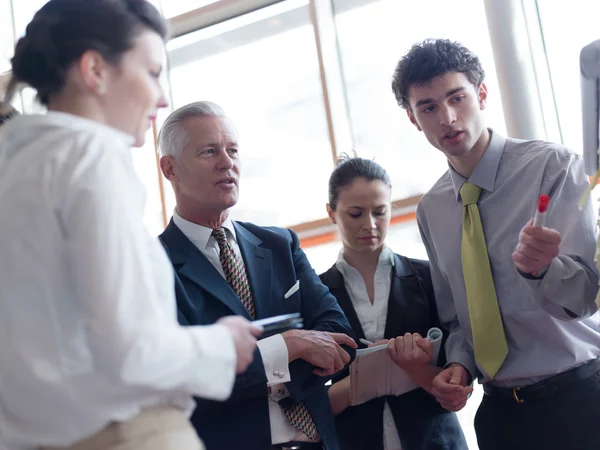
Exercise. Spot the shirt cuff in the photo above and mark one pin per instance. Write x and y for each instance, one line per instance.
(550, 282)
(278, 392)
(465, 360)
(217, 358)
(546, 289)
(274, 354)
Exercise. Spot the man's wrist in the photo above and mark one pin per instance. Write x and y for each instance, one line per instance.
(293, 344)
(535, 275)
(468, 376)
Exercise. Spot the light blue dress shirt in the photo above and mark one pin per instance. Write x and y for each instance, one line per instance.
(550, 324)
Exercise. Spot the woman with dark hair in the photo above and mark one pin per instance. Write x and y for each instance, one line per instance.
(91, 354)
(387, 298)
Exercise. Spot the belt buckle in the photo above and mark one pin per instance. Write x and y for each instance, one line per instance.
(516, 395)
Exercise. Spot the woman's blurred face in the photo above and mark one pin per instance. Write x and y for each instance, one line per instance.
(134, 92)
(363, 215)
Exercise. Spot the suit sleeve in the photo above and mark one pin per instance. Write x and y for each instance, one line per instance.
(321, 312)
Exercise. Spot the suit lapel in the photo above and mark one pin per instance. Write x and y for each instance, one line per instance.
(258, 262)
(190, 263)
(403, 288)
(337, 287)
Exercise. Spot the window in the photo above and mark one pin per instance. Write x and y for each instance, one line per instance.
(262, 68)
(172, 8)
(567, 28)
(373, 35)
(6, 36)
(24, 12)
(144, 161)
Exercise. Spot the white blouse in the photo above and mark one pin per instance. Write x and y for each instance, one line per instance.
(88, 324)
(372, 318)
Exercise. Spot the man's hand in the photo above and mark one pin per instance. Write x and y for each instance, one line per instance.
(244, 338)
(319, 348)
(410, 351)
(450, 387)
(536, 249)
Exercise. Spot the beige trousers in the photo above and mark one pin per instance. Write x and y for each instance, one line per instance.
(160, 428)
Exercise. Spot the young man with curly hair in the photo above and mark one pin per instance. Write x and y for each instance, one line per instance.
(518, 299)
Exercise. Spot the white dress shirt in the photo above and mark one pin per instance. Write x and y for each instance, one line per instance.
(88, 321)
(372, 318)
(273, 350)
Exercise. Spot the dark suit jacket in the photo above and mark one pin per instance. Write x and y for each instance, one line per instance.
(274, 262)
(421, 422)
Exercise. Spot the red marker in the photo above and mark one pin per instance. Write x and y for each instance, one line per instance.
(539, 219)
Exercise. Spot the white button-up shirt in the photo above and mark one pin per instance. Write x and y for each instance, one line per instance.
(88, 325)
(273, 349)
(372, 318)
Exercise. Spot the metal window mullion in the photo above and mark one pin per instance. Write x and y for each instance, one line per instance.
(542, 70)
(332, 82)
(213, 14)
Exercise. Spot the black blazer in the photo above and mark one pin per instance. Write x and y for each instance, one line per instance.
(274, 262)
(421, 422)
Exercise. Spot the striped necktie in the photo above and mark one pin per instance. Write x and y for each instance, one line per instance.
(235, 273)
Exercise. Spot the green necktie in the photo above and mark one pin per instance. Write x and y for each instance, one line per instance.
(486, 323)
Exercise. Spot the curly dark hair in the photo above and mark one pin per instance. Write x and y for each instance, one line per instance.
(430, 59)
(63, 30)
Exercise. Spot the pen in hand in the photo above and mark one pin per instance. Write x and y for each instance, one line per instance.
(539, 220)
(364, 341)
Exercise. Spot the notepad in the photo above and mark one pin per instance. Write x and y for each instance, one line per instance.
(373, 373)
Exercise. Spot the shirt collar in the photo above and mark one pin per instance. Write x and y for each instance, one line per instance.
(485, 173)
(200, 235)
(386, 257)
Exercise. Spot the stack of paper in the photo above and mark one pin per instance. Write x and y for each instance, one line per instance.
(373, 373)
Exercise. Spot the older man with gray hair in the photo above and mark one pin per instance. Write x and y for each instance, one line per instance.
(226, 267)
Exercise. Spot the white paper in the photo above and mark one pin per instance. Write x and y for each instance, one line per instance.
(373, 373)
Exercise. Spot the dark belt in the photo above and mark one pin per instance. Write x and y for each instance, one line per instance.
(548, 387)
(298, 446)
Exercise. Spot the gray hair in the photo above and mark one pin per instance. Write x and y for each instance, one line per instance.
(172, 138)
